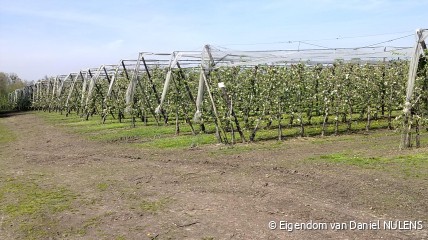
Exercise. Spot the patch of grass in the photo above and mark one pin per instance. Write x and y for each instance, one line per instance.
(102, 186)
(31, 209)
(6, 135)
(163, 136)
(407, 166)
(37, 229)
(182, 141)
(87, 224)
(152, 135)
(154, 206)
(248, 147)
(412, 166)
(92, 222)
(355, 160)
(330, 139)
(25, 198)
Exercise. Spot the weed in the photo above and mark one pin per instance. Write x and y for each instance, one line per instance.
(154, 206)
(102, 186)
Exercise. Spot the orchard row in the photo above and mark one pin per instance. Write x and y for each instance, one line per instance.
(243, 100)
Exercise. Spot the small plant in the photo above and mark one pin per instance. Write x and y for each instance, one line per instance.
(102, 186)
(154, 206)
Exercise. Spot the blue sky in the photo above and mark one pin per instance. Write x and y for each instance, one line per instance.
(57, 37)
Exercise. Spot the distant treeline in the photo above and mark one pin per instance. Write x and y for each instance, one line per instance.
(8, 84)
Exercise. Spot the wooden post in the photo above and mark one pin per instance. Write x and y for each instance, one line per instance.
(232, 113)
(217, 119)
(155, 92)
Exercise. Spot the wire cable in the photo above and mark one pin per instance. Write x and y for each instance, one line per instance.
(313, 40)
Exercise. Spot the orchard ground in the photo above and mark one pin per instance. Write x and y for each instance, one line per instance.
(63, 178)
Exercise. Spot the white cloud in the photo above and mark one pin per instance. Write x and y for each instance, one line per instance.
(55, 15)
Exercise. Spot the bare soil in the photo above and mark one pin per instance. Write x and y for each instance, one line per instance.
(209, 192)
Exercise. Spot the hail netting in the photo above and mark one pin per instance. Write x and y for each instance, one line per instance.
(172, 64)
(72, 86)
(421, 35)
(85, 87)
(141, 64)
(262, 85)
(92, 85)
(214, 57)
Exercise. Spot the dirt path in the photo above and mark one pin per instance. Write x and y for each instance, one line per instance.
(127, 193)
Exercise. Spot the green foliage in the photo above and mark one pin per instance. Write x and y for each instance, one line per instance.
(302, 99)
(300, 92)
(8, 84)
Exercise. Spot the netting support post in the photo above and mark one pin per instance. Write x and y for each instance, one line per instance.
(420, 45)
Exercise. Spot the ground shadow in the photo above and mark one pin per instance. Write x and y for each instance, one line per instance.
(6, 114)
